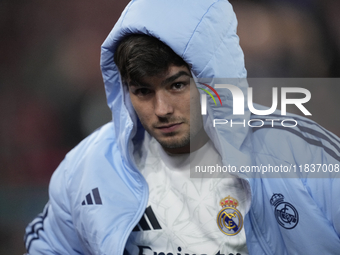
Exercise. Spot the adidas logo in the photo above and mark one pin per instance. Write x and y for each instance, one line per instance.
(96, 198)
(148, 221)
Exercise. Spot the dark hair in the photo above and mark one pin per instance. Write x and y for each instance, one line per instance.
(139, 55)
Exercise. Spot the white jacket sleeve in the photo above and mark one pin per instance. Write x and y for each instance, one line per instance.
(52, 231)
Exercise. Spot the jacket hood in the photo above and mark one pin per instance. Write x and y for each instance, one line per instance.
(203, 33)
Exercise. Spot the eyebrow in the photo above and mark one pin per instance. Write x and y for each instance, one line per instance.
(138, 84)
(167, 80)
(175, 76)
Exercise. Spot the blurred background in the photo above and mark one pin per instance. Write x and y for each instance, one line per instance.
(52, 94)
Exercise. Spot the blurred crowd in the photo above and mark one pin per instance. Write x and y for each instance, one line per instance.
(52, 94)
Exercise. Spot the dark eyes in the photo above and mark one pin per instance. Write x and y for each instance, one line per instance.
(142, 91)
(177, 86)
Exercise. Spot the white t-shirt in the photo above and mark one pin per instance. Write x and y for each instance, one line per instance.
(183, 214)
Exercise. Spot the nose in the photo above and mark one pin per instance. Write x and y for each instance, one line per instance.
(163, 105)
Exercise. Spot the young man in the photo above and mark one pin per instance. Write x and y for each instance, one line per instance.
(126, 188)
(167, 104)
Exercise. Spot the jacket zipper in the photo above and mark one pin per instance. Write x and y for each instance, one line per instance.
(139, 214)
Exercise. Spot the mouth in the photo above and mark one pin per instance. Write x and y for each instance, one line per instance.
(169, 127)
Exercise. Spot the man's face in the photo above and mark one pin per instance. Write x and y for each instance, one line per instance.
(162, 103)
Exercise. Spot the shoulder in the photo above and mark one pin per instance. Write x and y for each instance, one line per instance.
(103, 137)
(84, 161)
(95, 163)
(293, 138)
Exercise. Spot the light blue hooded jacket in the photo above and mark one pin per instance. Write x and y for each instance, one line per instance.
(97, 195)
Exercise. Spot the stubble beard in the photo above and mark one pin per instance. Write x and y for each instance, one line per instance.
(170, 140)
(173, 142)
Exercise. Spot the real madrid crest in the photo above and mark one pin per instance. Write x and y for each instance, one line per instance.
(229, 219)
(285, 213)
